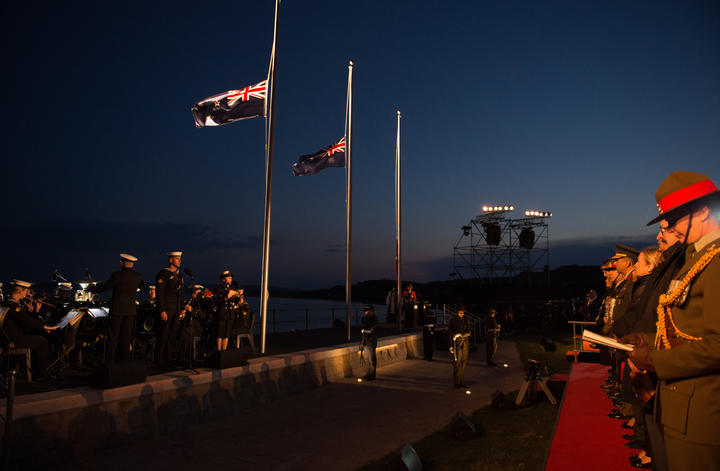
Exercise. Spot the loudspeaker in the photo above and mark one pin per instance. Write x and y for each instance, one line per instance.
(227, 359)
(492, 233)
(407, 460)
(461, 428)
(124, 373)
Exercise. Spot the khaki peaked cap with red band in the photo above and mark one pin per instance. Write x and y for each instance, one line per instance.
(679, 190)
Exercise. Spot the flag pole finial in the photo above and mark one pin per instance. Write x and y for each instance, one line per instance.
(352, 63)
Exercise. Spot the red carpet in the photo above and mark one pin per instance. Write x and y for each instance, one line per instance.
(585, 437)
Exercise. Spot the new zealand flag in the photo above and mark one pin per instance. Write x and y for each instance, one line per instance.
(232, 105)
(333, 156)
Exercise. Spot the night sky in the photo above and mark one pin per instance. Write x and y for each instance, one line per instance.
(579, 108)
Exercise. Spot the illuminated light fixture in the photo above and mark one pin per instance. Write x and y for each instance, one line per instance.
(497, 209)
(505, 365)
(84, 285)
(359, 380)
(538, 214)
(467, 391)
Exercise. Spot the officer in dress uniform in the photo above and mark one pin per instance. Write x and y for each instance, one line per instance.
(123, 307)
(170, 285)
(685, 353)
(18, 329)
(459, 330)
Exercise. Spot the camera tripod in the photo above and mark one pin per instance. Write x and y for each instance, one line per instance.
(532, 379)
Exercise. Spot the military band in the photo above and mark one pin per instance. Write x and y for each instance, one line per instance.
(165, 328)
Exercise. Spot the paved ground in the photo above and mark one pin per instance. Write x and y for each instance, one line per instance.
(339, 426)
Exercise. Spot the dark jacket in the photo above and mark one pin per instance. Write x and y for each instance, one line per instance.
(169, 287)
(368, 324)
(18, 323)
(459, 326)
(124, 285)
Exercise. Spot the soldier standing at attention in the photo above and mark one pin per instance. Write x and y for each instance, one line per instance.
(123, 308)
(459, 329)
(686, 351)
(170, 285)
(492, 330)
(368, 344)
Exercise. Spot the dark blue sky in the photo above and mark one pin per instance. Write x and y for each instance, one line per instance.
(581, 108)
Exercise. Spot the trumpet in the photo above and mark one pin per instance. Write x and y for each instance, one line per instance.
(32, 299)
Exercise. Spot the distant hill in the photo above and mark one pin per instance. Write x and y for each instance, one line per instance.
(562, 282)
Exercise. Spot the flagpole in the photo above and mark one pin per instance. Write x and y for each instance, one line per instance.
(348, 155)
(268, 182)
(398, 224)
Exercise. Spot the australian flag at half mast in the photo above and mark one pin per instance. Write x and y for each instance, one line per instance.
(232, 105)
(333, 156)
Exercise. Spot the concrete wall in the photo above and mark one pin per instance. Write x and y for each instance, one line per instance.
(53, 427)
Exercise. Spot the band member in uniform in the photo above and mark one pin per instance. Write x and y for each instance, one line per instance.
(151, 301)
(17, 326)
(170, 285)
(192, 324)
(459, 329)
(686, 351)
(493, 330)
(227, 302)
(123, 308)
(368, 342)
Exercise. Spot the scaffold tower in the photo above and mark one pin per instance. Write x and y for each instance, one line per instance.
(495, 246)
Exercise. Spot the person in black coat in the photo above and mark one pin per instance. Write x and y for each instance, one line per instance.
(18, 329)
(227, 301)
(123, 307)
(170, 299)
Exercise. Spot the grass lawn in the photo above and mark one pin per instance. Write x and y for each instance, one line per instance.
(508, 439)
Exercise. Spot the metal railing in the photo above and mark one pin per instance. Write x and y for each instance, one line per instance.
(309, 321)
(582, 325)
